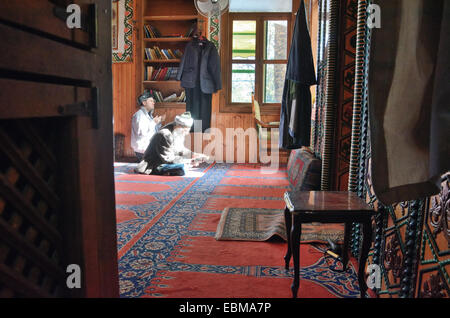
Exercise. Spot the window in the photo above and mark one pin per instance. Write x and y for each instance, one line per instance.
(261, 6)
(257, 52)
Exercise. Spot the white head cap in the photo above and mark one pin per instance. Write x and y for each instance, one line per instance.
(184, 119)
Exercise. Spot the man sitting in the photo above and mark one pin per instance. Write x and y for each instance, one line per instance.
(144, 125)
(166, 153)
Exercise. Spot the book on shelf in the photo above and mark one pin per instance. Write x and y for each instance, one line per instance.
(159, 96)
(169, 51)
(178, 53)
(161, 73)
(165, 54)
(150, 54)
(173, 73)
(151, 32)
(147, 33)
(157, 75)
(173, 35)
(172, 98)
(191, 30)
(148, 72)
(182, 97)
(156, 53)
(167, 75)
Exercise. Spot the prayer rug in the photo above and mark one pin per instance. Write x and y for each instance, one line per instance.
(246, 224)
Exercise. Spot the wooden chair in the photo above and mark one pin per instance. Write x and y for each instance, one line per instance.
(263, 134)
(326, 207)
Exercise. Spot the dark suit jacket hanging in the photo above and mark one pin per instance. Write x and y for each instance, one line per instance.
(200, 76)
(295, 116)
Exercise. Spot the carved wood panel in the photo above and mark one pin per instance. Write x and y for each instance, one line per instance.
(56, 173)
(31, 245)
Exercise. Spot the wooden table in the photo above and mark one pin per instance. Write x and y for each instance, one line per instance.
(326, 207)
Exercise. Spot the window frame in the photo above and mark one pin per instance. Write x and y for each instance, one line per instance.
(259, 62)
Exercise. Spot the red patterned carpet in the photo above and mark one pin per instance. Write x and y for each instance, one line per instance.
(166, 228)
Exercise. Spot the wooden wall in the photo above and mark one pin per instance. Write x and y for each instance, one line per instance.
(124, 96)
(124, 101)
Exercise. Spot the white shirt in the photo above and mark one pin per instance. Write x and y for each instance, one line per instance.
(143, 127)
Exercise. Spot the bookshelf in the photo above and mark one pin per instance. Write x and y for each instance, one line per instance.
(171, 18)
(163, 61)
(166, 27)
(181, 39)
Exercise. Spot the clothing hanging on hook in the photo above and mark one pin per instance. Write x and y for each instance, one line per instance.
(200, 76)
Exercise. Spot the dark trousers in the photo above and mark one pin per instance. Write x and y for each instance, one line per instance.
(170, 169)
(199, 104)
(139, 156)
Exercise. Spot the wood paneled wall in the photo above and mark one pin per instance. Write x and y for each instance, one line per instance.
(124, 101)
(124, 95)
(223, 121)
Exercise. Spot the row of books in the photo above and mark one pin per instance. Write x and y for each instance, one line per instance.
(156, 53)
(173, 98)
(160, 73)
(152, 32)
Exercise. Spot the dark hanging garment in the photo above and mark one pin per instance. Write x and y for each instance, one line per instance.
(199, 104)
(409, 91)
(295, 115)
(200, 75)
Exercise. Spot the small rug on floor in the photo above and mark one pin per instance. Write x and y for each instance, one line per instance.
(250, 224)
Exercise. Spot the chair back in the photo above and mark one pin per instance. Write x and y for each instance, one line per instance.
(256, 111)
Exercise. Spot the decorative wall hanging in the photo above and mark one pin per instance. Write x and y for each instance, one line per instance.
(213, 10)
(214, 31)
(122, 31)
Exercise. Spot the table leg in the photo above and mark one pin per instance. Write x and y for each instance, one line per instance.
(367, 240)
(295, 242)
(288, 222)
(348, 230)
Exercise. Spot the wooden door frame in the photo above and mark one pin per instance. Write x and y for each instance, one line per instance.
(43, 79)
